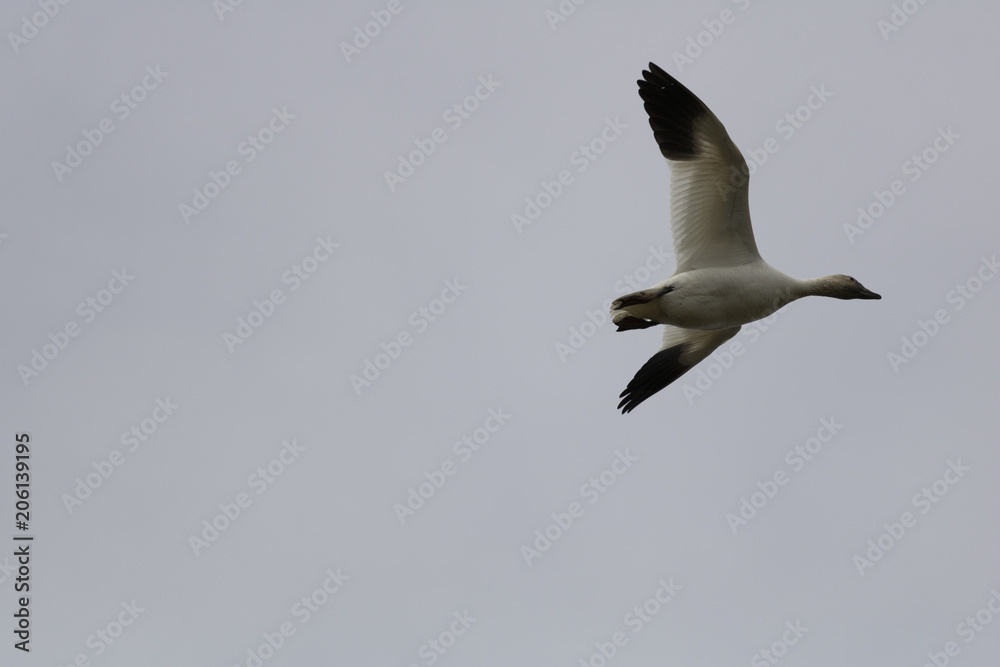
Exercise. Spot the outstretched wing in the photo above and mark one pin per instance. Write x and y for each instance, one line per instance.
(681, 350)
(709, 209)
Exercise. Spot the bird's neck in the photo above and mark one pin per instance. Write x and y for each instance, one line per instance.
(816, 286)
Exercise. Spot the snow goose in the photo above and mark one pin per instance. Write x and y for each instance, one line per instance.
(721, 282)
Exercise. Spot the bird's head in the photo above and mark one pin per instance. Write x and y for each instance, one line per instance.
(846, 287)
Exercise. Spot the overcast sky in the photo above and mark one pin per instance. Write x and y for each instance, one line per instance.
(306, 324)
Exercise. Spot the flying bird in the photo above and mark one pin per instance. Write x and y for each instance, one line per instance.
(721, 281)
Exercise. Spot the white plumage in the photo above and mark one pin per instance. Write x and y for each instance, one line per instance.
(721, 281)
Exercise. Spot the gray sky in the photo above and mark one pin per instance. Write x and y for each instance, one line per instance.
(275, 395)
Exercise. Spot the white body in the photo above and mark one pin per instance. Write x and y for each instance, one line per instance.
(720, 297)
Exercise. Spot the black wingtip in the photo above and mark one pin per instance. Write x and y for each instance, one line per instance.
(662, 368)
(672, 110)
